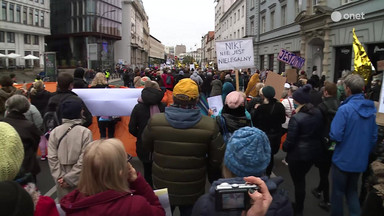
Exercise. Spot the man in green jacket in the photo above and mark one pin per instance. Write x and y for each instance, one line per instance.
(185, 146)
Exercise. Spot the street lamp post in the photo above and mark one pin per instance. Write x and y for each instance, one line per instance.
(101, 36)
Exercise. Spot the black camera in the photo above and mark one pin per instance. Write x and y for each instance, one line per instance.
(233, 196)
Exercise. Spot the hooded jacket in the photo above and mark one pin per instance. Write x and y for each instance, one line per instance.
(142, 201)
(305, 134)
(195, 77)
(140, 116)
(217, 87)
(355, 131)
(185, 145)
(280, 206)
(40, 100)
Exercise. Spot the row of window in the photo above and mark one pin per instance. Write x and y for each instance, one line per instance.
(236, 34)
(22, 14)
(27, 39)
(37, 1)
(86, 24)
(235, 17)
(10, 38)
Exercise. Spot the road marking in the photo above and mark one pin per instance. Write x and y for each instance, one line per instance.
(51, 191)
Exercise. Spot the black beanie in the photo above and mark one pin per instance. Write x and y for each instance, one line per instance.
(14, 200)
(302, 95)
(268, 92)
(71, 109)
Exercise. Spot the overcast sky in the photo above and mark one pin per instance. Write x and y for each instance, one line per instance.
(175, 22)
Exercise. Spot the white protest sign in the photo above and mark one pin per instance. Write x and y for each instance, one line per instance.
(215, 104)
(109, 101)
(235, 54)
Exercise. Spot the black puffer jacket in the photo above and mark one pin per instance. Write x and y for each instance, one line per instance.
(30, 136)
(305, 135)
(269, 118)
(40, 100)
(140, 116)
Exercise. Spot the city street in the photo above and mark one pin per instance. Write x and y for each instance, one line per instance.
(46, 184)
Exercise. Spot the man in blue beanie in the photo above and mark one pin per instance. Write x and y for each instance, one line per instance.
(248, 153)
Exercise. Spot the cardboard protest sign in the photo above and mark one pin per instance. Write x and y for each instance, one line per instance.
(277, 82)
(235, 54)
(291, 75)
(291, 59)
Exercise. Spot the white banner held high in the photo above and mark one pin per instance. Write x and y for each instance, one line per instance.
(109, 101)
(235, 54)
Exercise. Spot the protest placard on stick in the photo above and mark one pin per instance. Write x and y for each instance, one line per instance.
(277, 82)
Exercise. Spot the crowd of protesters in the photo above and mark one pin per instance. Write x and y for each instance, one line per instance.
(183, 145)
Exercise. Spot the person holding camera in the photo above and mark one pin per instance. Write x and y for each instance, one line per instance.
(241, 192)
(109, 185)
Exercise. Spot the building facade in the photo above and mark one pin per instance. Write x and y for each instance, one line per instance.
(23, 26)
(233, 22)
(309, 29)
(84, 32)
(156, 52)
(276, 30)
(133, 49)
(222, 6)
(208, 50)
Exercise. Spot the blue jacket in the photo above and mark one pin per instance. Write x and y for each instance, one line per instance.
(355, 131)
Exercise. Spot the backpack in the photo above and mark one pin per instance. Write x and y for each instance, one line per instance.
(50, 121)
(52, 117)
(168, 80)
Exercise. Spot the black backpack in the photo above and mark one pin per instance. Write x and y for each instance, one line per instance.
(50, 121)
(52, 117)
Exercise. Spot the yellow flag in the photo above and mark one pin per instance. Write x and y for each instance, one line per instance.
(361, 61)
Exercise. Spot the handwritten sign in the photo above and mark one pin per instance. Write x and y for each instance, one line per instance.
(235, 54)
(291, 59)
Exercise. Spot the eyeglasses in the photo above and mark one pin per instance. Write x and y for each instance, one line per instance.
(129, 158)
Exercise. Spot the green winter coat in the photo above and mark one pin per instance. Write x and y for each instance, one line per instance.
(186, 146)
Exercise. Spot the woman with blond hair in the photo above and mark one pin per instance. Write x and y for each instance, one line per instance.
(109, 185)
(104, 122)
